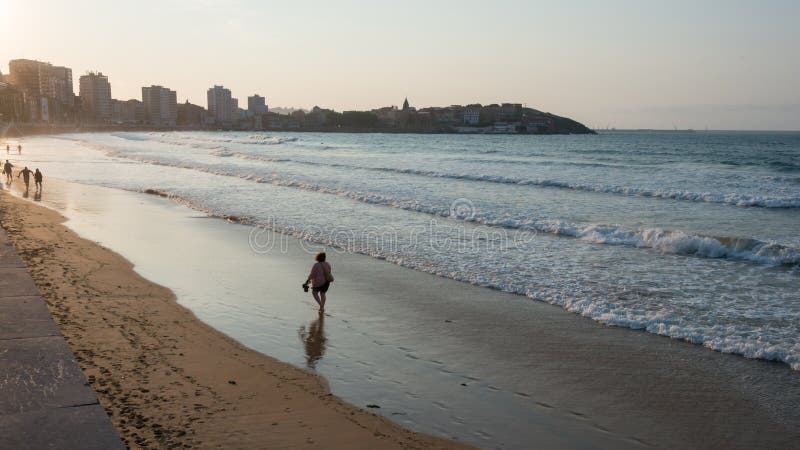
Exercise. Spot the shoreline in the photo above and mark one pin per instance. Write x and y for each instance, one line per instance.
(165, 377)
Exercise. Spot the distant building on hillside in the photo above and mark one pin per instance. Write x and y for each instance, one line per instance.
(190, 115)
(160, 105)
(510, 112)
(95, 92)
(538, 123)
(317, 117)
(256, 105)
(490, 114)
(472, 114)
(387, 116)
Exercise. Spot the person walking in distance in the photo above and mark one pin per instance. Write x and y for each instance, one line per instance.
(26, 176)
(19, 148)
(37, 179)
(7, 170)
(320, 278)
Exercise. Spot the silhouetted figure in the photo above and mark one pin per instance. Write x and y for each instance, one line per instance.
(320, 279)
(7, 170)
(26, 177)
(8, 149)
(19, 148)
(37, 179)
(314, 340)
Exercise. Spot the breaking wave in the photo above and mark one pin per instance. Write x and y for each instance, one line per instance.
(665, 241)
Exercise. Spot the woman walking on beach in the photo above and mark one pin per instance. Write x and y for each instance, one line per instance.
(320, 278)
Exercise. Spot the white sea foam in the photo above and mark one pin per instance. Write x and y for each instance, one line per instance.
(206, 141)
(665, 241)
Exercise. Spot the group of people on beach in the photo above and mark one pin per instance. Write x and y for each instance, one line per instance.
(26, 176)
(25, 173)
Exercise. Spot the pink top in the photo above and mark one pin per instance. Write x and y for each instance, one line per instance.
(318, 273)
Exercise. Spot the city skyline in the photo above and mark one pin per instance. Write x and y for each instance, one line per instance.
(720, 65)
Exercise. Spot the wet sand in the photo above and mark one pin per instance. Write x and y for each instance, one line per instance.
(165, 378)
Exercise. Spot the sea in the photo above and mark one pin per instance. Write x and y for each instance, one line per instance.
(690, 235)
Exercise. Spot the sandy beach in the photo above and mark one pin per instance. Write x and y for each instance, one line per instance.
(165, 378)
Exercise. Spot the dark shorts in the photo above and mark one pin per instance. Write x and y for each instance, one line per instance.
(323, 288)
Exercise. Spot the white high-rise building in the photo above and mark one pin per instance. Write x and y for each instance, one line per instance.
(160, 105)
(235, 117)
(61, 85)
(256, 105)
(95, 92)
(220, 104)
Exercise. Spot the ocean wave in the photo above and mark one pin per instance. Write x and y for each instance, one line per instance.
(735, 199)
(665, 241)
(681, 243)
(737, 340)
(603, 307)
(541, 162)
(255, 139)
(732, 198)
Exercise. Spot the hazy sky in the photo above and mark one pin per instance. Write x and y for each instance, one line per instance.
(724, 64)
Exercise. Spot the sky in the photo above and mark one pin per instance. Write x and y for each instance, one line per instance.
(717, 64)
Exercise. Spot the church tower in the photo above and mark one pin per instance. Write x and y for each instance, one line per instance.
(405, 104)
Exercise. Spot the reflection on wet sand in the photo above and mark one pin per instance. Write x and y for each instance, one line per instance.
(314, 340)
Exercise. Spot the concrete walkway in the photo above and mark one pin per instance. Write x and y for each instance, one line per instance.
(45, 401)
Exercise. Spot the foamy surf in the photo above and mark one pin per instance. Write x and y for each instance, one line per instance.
(665, 241)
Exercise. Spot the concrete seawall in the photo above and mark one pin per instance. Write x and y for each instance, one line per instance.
(45, 401)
